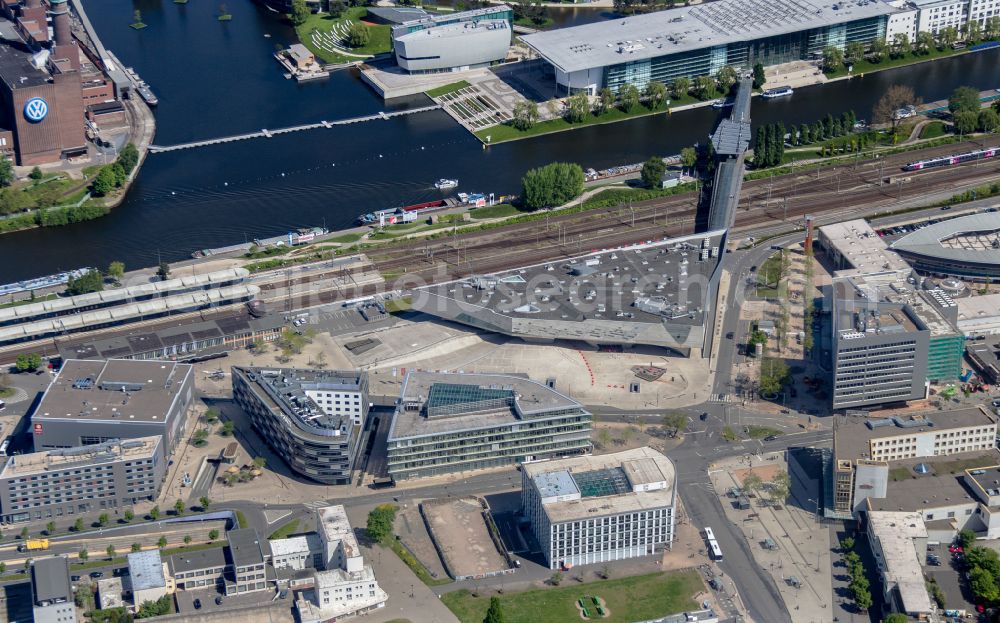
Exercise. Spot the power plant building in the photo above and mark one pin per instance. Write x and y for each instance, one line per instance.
(94, 401)
(453, 41)
(455, 422)
(702, 39)
(311, 418)
(593, 509)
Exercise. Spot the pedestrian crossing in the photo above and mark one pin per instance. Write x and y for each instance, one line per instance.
(315, 504)
(722, 398)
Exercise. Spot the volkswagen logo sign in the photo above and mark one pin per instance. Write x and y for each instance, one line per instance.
(35, 109)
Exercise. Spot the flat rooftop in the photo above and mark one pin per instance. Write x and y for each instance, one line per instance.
(398, 15)
(333, 526)
(16, 68)
(460, 532)
(979, 312)
(245, 547)
(50, 579)
(604, 484)
(116, 389)
(456, 30)
(654, 293)
(640, 37)
(198, 559)
(65, 458)
(286, 390)
(883, 297)
(145, 569)
(470, 401)
(853, 434)
(988, 478)
(858, 244)
(896, 532)
(932, 490)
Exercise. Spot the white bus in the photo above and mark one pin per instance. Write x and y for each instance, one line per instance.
(714, 550)
(4, 446)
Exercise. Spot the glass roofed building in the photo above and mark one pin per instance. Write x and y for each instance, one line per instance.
(447, 422)
(593, 509)
(700, 40)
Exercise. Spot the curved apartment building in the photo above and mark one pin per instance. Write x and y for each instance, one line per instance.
(311, 418)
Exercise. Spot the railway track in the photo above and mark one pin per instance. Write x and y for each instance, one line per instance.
(857, 186)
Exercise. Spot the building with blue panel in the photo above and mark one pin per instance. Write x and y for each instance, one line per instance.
(700, 40)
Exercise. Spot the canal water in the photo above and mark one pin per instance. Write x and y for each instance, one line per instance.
(218, 78)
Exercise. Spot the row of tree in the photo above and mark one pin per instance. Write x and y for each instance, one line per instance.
(769, 145)
(860, 586)
(967, 112)
(115, 175)
(900, 46)
(552, 185)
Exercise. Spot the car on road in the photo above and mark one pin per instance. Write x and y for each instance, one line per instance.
(703, 416)
(730, 335)
(75, 578)
(197, 604)
(770, 438)
(945, 207)
(97, 574)
(753, 268)
(218, 600)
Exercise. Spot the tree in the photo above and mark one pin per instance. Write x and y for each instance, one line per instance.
(675, 420)
(7, 176)
(966, 538)
(50, 528)
(879, 50)
(105, 182)
(163, 271)
(925, 41)
(3, 567)
(628, 97)
(228, 427)
(358, 35)
(900, 44)
(200, 437)
(162, 542)
(204, 503)
(726, 78)
(28, 362)
(211, 415)
(947, 37)
(380, 521)
(689, 157)
(90, 281)
(213, 534)
(605, 100)
(187, 539)
(136, 547)
(150, 609)
(78, 525)
(752, 483)
(759, 77)
(833, 58)
(116, 270)
(110, 551)
(989, 120)
(780, 487)
(854, 52)
(552, 185)
(966, 122)
(680, 87)
(154, 513)
(652, 171)
(774, 375)
(656, 94)
(129, 515)
(179, 507)
(556, 578)
(128, 157)
(300, 12)
(897, 96)
(847, 543)
(495, 612)
(973, 31)
(84, 554)
(36, 174)
(964, 99)
(862, 598)
(525, 115)
(577, 107)
(896, 617)
(103, 519)
(993, 28)
(760, 147)
(984, 585)
(603, 437)
(259, 462)
(703, 87)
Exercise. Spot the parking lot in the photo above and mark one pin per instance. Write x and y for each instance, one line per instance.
(266, 602)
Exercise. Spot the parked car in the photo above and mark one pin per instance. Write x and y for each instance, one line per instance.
(75, 578)
(770, 438)
(730, 335)
(96, 574)
(218, 600)
(197, 604)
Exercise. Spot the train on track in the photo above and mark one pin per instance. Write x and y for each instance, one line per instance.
(945, 161)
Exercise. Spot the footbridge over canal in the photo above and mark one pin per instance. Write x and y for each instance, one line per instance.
(265, 133)
(730, 140)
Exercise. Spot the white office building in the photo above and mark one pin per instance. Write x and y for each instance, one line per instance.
(593, 509)
(899, 545)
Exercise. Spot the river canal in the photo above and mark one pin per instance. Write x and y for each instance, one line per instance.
(218, 78)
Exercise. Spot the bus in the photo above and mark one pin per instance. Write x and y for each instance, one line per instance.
(714, 550)
(5, 446)
(383, 483)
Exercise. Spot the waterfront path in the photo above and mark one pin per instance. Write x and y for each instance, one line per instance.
(265, 133)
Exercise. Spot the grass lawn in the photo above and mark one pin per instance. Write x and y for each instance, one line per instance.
(285, 530)
(37, 299)
(497, 211)
(900, 473)
(759, 432)
(507, 132)
(638, 598)
(379, 42)
(530, 23)
(346, 238)
(448, 88)
(404, 554)
(769, 274)
(934, 129)
(959, 465)
(863, 67)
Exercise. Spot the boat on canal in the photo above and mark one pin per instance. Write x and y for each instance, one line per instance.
(445, 184)
(723, 103)
(778, 92)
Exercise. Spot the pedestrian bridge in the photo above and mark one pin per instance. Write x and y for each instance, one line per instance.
(266, 133)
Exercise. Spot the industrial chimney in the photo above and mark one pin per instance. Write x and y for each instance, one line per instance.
(60, 22)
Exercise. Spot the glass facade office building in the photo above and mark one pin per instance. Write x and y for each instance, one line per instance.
(742, 55)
